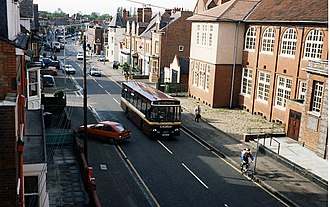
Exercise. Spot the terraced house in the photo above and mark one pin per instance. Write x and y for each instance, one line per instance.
(272, 64)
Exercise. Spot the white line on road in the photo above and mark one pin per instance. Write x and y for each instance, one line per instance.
(191, 172)
(94, 80)
(100, 86)
(116, 101)
(165, 147)
(108, 92)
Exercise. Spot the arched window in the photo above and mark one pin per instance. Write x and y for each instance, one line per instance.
(313, 44)
(268, 39)
(250, 38)
(289, 42)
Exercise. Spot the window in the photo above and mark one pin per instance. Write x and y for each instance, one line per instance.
(283, 91)
(208, 70)
(289, 42)
(201, 75)
(156, 47)
(314, 45)
(155, 67)
(31, 187)
(197, 38)
(250, 39)
(195, 74)
(268, 39)
(33, 83)
(181, 47)
(246, 81)
(263, 86)
(147, 48)
(317, 96)
(302, 90)
(210, 39)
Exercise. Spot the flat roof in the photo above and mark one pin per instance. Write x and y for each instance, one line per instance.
(34, 145)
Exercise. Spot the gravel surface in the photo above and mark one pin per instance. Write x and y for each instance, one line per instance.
(235, 122)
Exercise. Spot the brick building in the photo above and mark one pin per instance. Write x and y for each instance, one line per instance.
(243, 56)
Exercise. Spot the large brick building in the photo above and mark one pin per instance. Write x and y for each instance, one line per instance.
(243, 56)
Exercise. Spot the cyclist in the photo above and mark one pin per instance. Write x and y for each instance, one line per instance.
(245, 155)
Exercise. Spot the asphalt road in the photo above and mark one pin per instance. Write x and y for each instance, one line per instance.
(170, 172)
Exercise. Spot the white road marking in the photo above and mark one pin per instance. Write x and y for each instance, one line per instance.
(116, 101)
(108, 92)
(165, 147)
(191, 172)
(100, 85)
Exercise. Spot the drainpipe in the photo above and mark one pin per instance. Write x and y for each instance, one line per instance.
(256, 75)
(234, 66)
(20, 149)
(299, 60)
(275, 70)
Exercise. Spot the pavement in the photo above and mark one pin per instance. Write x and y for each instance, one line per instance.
(294, 174)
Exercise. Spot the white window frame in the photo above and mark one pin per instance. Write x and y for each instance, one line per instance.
(289, 42)
(35, 84)
(250, 39)
(316, 102)
(181, 48)
(208, 73)
(156, 46)
(195, 74)
(246, 82)
(263, 86)
(201, 77)
(268, 39)
(302, 90)
(313, 45)
(283, 91)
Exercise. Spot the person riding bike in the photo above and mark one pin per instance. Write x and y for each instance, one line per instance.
(245, 155)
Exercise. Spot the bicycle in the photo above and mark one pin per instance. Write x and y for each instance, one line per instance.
(246, 169)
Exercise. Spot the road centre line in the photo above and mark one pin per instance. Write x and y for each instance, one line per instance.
(165, 147)
(116, 101)
(191, 172)
(257, 184)
(108, 92)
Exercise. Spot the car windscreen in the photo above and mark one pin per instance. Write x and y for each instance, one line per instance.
(120, 127)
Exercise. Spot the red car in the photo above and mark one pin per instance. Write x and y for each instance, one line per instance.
(107, 130)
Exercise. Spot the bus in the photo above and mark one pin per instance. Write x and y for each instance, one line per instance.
(154, 112)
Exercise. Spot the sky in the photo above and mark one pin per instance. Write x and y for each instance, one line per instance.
(109, 6)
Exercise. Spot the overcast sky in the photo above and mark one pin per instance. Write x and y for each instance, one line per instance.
(109, 6)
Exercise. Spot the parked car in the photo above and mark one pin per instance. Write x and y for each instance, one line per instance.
(49, 62)
(106, 130)
(49, 71)
(69, 69)
(35, 64)
(94, 71)
(100, 58)
(56, 46)
(80, 56)
(48, 80)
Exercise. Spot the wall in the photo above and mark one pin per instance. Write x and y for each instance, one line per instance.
(8, 157)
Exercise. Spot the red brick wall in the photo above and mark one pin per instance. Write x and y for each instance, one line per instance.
(8, 68)
(177, 33)
(8, 157)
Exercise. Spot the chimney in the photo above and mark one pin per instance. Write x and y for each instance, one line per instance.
(169, 11)
(139, 15)
(147, 13)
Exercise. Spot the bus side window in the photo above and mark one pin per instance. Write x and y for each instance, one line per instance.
(143, 107)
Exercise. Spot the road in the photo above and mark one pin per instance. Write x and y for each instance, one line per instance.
(168, 172)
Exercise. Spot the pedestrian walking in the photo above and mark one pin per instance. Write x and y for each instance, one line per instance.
(197, 113)
(126, 76)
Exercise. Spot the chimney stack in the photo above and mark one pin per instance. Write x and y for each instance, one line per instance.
(147, 14)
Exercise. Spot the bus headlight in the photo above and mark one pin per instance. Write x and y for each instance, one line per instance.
(154, 130)
(176, 129)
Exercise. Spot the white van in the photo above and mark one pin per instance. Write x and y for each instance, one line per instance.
(57, 46)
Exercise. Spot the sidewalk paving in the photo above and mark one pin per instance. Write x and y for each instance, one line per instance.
(288, 175)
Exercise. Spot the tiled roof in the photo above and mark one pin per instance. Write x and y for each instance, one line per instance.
(290, 11)
(117, 21)
(21, 41)
(234, 10)
(26, 8)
